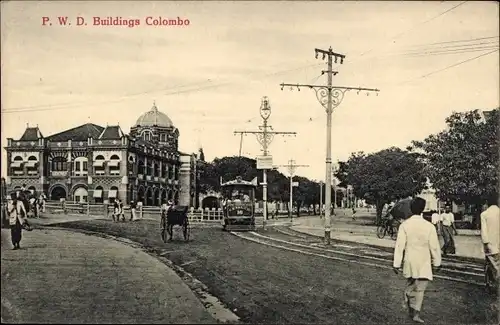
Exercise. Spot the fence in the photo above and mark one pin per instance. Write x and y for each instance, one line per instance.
(143, 212)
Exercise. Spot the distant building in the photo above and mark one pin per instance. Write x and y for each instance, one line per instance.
(95, 163)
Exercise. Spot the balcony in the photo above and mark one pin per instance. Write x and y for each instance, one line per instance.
(176, 182)
(79, 173)
(59, 173)
(163, 180)
(148, 177)
(156, 178)
(140, 176)
(32, 172)
(170, 181)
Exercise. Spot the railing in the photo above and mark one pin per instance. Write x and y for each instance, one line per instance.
(144, 212)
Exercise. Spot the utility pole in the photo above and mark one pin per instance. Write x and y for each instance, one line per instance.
(265, 136)
(292, 167)
(241, 143)
(329, 97)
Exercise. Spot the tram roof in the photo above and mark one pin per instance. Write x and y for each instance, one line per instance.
(238, 182)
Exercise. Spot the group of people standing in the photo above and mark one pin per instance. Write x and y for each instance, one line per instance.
(445, 226)
(119, 213)
(418, 254)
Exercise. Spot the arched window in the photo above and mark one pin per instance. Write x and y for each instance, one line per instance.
(80, 195)
(147, 135)
(156, 170)
(80, 167)
(113, 194)
(164, 171)
(17, 166)
(98, 197)
(59, 164)
(99, 165)
(114, 165)
(140, 167)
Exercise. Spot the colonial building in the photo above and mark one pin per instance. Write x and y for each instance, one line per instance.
(96, 164)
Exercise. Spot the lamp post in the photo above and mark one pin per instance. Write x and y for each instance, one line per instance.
(265, 113)
(265, 136)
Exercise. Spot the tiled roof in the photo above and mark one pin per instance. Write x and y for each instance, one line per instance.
(79, 133)
(111, 133)
(31, 134)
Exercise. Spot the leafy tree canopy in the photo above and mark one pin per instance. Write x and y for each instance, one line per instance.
(384, 176)
(462, 161)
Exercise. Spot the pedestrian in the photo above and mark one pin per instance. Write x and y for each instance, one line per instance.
(417, 243)
(118, 211)
(353, 214)
(42, 200)
(133, 211)
(448, 230)
(436, 221)
(490, 235)
(17, 218)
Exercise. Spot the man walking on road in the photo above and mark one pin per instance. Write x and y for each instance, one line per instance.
(417, 241)
(17, 215)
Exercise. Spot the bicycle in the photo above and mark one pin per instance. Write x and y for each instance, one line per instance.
(384, 229)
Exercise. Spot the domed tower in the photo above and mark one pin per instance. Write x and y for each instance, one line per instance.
(157, 128)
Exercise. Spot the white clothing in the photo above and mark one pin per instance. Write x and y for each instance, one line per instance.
(490, 228)
(447, 219)
(418, 240)
(17, 212)
(436, 218)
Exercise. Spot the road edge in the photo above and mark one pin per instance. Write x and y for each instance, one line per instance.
(460, 258)
(212, 304)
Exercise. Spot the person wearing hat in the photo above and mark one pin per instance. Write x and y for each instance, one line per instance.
(17, 218)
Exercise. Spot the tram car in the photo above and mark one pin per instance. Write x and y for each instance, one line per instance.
(238, 205)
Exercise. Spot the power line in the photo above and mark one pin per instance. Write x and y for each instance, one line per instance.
(419, 24)
(459, 41)
(456, 47)
(73, 103)
(76, 105)
(459, 51)
(437, 50)
(448, 67)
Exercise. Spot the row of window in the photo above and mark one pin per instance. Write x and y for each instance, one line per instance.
(148, 136)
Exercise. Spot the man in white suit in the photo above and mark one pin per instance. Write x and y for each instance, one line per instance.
(418, 244)
(490, 234)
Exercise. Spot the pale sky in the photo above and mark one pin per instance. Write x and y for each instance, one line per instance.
(209, 77)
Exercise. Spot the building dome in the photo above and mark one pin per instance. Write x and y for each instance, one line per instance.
(154, 118)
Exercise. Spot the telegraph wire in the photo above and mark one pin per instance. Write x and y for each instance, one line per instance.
(76, 105)
(484, 48)
(90, 103)
(458, 41)
(446, 68)
(417, 25)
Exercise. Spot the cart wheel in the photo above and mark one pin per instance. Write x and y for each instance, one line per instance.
(381, 231)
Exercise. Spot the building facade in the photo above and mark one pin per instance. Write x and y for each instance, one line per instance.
(97, 164)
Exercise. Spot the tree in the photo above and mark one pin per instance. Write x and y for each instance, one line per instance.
(382, 177)
(208, 177)
(278, 184)
(462, 161)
